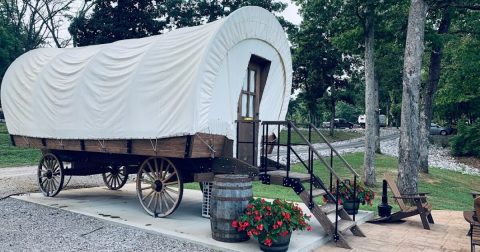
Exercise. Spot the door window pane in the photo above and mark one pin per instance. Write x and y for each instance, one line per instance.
(252, 81)
(251, 105)
(245, 82)
(244, 105)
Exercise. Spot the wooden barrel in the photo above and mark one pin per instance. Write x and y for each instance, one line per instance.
(230, 196)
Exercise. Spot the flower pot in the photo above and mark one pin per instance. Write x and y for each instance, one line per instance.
(280, 245)
(351, 206)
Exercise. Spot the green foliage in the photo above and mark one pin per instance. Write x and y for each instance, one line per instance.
(467, 140)
(348, 111)
(8, 46)
(318, 64)
(11, 156)
(459, 91)
(345, 193)
(115, 20)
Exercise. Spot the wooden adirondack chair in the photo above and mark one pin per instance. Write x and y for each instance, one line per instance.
(421, 206)
(473, 218)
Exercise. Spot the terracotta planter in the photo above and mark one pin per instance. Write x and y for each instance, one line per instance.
(280, 245)
(351, 206)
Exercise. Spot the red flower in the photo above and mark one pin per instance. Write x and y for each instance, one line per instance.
(286, 216)
(234, 224)
(258, 218)
(249, 233)
(275, 226)
(260, 227)
(309, 228)
(279, 223)
(284, 233)
(268, 242)
(262, 200)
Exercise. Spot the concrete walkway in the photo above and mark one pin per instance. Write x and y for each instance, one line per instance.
(186, 224)
(448, 234)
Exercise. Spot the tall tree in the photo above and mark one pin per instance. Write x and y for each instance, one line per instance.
(431, 87)
(409, 130)
(371, 97)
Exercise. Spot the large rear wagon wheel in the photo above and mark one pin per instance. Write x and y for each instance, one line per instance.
(116, 177)
(50, 175)
(159, 186)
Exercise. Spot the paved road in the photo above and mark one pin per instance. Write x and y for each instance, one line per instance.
(322, 147)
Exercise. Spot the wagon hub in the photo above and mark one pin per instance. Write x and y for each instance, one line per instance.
(49, 174)
(158, 185)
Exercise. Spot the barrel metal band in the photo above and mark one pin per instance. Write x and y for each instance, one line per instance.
(231, 198)
(232, 188)
(235, 180)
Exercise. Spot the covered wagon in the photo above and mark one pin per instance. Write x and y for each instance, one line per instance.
(171, 108)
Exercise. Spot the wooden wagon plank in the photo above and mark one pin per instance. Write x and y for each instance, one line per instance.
(201, 145)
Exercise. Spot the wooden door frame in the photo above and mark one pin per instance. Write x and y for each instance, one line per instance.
(261, 67)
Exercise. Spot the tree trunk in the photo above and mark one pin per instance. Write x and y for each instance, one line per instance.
(410, 127)
(370, 122)
(431, 89)
(377, 119)
(332, 118)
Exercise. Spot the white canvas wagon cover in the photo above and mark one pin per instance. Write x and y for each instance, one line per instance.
(180, 83)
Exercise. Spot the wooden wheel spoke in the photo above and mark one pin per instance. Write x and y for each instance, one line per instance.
(150, 202)
(171, 183)
(161, 175)
(148, 174)
(157, 200)
(146, 196)
(169, 176)
(164, 199)
(169, 196)
(156, 168)
(171, 190)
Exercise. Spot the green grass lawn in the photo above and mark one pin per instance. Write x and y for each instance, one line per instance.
(11, 156)
(339, 135)
(448, 190)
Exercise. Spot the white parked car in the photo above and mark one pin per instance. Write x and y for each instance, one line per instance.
(382, 119)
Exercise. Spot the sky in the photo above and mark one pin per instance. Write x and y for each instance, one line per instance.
(291, 13)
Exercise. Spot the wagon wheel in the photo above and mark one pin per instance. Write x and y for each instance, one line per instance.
(159, 186)
(116, 177)
(50, 175)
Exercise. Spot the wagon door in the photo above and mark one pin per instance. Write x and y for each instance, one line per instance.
(248, 109)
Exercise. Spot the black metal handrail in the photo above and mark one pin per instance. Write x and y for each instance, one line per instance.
(311, 152)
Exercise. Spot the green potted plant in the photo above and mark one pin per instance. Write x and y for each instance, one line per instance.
(272, 223)
(351, 204)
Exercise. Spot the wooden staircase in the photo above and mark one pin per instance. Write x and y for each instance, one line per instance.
(310, 188)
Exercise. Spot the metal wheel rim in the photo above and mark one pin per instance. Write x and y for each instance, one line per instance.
(115, 180)
(50, 175)
(159, 201)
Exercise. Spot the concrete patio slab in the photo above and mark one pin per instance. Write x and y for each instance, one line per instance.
(186, 223)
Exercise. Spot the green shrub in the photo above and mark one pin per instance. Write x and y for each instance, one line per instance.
(467, 140)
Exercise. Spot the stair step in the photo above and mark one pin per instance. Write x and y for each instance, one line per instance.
(318, 192)
(330, 208)
(303, 177)
(344, 225)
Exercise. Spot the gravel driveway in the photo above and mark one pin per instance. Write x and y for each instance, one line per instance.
(30, 227)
